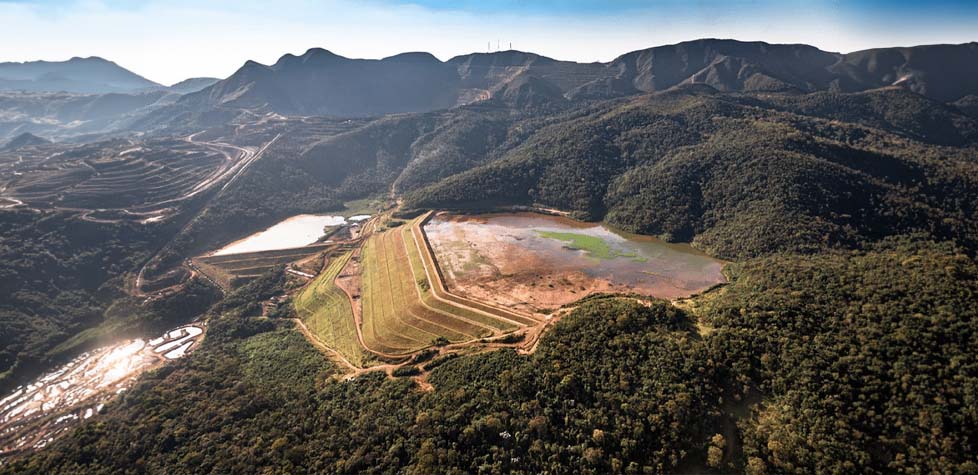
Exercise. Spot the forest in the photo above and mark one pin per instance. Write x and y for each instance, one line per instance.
(802, 364)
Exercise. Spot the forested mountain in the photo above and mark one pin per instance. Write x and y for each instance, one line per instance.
(744, 175)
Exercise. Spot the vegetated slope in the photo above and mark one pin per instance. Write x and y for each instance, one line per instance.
(61, 275)
(941, 72)
(257, 396)
(893, 109)
(91, 75)
(744, 175)
(862, 360)
(326, 311)
(462, 140)
(841, 362)
(405, 152)
(395, 318)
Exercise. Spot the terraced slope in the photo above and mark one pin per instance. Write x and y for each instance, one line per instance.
(395, 320)
(141, 180)
(231, 270)
(327, 312)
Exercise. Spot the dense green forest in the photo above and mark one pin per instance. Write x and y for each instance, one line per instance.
(843, 362)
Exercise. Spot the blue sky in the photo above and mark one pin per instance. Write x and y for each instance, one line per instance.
(167, 41)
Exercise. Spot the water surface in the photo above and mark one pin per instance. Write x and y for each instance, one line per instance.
(296, 231)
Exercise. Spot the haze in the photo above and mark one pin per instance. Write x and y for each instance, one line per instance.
(170, 41)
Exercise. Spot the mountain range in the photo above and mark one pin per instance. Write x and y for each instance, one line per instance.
(322, 83)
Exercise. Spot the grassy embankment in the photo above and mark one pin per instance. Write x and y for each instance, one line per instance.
(394, 319)
(326, 310)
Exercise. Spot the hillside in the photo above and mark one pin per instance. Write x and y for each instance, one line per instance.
(192, 85)
(67, 115)
(744, 175)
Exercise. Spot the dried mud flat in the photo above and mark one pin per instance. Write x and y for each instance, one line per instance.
(535, 263)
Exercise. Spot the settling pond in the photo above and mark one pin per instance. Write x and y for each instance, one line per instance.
(296, 231)
(534, 262)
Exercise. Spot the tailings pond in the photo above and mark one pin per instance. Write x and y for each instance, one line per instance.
(34, 415)
(536, 262)
(296, 231)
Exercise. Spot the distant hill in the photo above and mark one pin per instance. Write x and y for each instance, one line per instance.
(968, 105)
(80, 75)
(941, 72)
(491, 72)
(192, 85)
(25, 139)
(726, 65)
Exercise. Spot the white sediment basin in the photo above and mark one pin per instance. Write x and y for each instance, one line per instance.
(296, 231)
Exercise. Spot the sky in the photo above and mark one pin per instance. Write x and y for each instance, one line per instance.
(167, 41)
